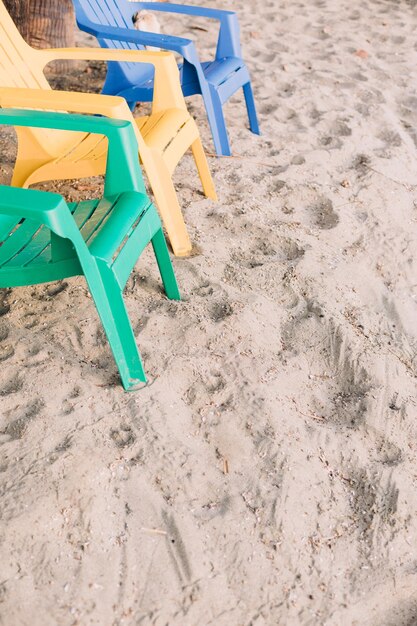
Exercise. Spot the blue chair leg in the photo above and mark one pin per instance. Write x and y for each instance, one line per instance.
(214, 109)
(250, 105)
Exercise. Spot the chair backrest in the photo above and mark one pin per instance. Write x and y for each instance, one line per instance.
(108, 13)
(123, 174)
(20, 67)
(116, 13)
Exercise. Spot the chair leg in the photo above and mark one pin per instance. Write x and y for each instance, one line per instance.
(111, 308)
(203, 169)
(167, 203)
(30, 158)
(23, 172)
(165, 266)
(251, 108)
(214, 109)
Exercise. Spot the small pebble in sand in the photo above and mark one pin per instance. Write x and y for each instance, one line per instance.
(362, 54)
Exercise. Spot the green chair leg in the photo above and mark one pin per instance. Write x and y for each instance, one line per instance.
(111, 308)
(165, 266)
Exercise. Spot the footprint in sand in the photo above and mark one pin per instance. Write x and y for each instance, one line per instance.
(298, 159)
(343, 392)
(374, 502)
(6, 349)
(52, 290)
(204, 290)
(36, 355)
(13, 385)
(17, 428)
(219, 311)
(267, 109)
(389, 454)
(340, 128)
(403, 613)
(30, 320)
(324, 215)
(361, 164)
(4, 305)
(391, 138)
(122, 437)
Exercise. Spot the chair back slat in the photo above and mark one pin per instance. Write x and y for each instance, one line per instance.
(18, 240)
(40, 239)
(7, 225)
(19, 67)
(116, 13)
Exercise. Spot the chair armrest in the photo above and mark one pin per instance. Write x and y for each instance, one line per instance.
(167, 89)
(11, 97)
(113, 107)
(93, 104)
(42, 207)
(30, 203)
(174, 44)
(166, 7)
(107, 54)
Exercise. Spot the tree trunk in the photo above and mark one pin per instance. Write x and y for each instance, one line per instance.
(19, 11)
(51, 24)
(45, 23)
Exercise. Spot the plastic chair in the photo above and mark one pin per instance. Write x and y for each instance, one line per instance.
(42, 238)
(163, 137)
(111, 22)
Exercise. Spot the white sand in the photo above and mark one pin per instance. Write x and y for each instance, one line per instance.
(268, 474)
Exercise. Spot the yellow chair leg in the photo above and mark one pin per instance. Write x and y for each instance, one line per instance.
(167, 203)
(23, 171)
(203, 169)
(30, 157)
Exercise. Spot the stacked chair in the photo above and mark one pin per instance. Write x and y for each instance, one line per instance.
(68, 135)
(163, 137)
(217, 80)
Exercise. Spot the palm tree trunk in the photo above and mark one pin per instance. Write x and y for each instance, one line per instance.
(45, 23)
(19, 11)
(51, 24)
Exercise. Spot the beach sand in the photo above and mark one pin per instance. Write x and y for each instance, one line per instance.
(267, 475)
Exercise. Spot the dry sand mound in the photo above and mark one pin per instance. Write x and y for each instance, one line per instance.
(268, 474)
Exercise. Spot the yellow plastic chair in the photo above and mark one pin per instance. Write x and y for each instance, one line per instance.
(163, 137)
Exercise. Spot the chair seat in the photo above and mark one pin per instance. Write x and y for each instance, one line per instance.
(225, 75)
(216, 73)
(27, 249)
(27, 244)
(158, 130)
(219, 71)
(26, 256)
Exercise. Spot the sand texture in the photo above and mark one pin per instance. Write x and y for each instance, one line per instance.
(267, 475)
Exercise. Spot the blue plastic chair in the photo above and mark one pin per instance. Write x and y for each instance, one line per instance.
(111, 22)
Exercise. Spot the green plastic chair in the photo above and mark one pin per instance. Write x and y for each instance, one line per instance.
(42, 238)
